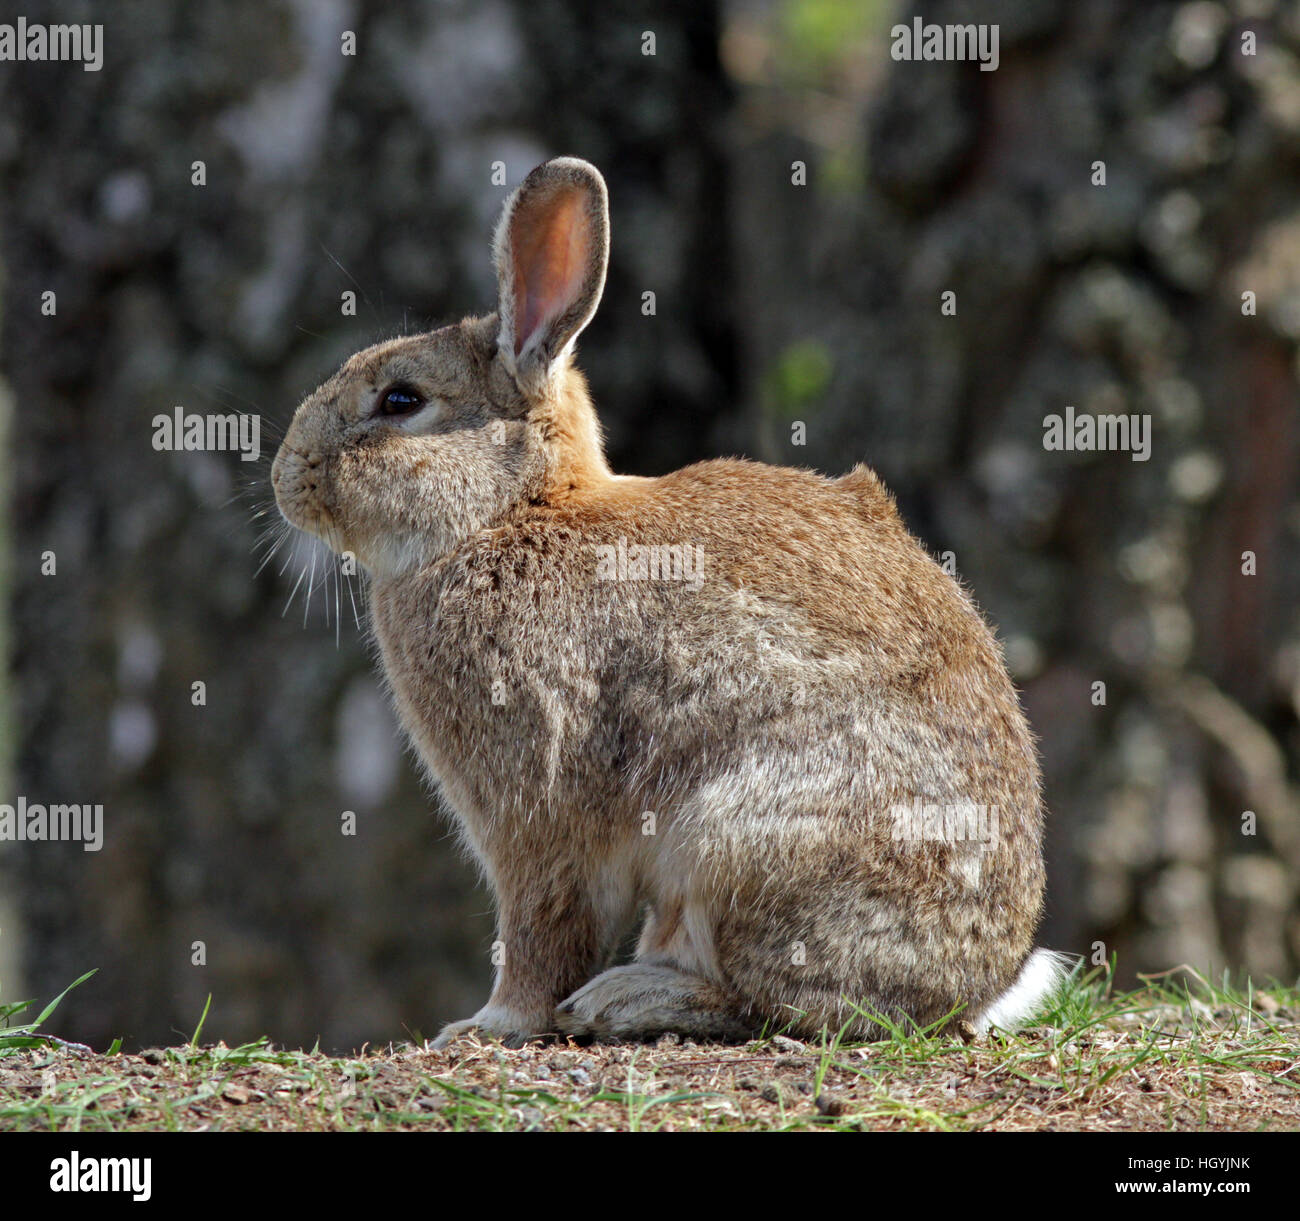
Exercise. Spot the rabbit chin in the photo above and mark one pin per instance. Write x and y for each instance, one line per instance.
(385, 554)
(388, 556)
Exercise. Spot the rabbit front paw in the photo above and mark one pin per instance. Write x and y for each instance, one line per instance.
(493, 1022)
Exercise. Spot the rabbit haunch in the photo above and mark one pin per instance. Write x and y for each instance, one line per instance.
(723, 759)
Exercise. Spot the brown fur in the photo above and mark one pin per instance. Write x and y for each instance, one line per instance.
(727, 752)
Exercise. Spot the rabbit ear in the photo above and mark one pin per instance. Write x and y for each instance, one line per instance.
(551, 247)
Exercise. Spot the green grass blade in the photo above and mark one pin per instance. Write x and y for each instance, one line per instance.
(54, 1004)
(198, 1030)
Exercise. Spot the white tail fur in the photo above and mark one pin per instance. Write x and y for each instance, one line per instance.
(1042, 974)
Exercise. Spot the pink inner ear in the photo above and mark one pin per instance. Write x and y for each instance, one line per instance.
(551, 248)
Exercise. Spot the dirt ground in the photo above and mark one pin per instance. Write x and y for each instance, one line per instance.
(1133, 1073)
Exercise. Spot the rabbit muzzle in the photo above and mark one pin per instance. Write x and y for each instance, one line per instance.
(297, 479)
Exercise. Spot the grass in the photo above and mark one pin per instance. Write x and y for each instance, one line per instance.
(1180, 1053)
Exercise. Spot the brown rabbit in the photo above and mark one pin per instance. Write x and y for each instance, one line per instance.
(738, 698)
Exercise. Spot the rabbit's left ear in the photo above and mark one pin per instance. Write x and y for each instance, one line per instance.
(551, 247)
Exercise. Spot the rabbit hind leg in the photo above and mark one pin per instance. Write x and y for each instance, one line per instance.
(644, 1000)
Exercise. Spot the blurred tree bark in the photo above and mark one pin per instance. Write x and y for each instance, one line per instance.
(10, 909)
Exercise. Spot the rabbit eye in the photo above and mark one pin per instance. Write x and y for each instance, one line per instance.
(398, 400)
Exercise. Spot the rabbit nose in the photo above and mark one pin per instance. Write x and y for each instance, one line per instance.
(289, 461)
(283, 472)
(287, 479)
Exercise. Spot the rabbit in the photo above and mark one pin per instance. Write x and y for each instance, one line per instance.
(737, 702)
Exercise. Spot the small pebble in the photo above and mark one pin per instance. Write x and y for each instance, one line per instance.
(829, 1104)
(784, 1043)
